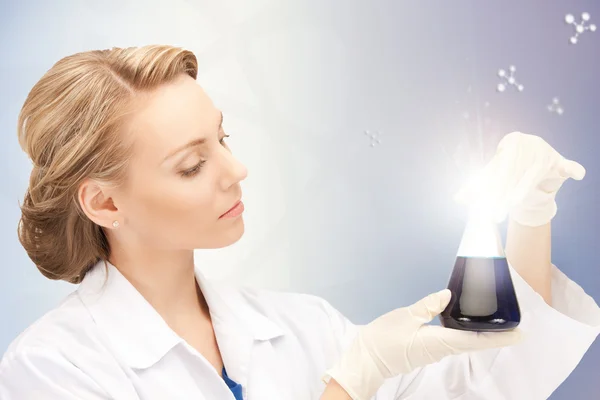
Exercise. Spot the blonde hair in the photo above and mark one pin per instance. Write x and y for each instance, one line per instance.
(73, 126)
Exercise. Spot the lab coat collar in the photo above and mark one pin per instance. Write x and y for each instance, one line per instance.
(138, 334)
(133, 329)
(237, 325)
(229, 306)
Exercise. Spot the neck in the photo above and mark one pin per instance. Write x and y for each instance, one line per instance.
(164, 278)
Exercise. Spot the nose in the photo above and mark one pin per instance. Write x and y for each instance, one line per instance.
(234, 170)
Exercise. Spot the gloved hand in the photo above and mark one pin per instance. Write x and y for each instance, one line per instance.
(399, 341)
(521, 180)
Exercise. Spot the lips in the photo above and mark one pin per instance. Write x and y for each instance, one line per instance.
(232, 207)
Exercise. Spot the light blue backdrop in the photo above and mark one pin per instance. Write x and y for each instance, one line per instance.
(370, 228)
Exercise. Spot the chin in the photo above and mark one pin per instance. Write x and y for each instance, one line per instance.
(233, 234)
(236, 233)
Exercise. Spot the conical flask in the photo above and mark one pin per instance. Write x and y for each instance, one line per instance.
(483, 295)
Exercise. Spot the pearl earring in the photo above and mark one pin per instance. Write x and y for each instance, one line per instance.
(115, 224)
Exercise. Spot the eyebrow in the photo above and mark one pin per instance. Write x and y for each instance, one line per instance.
(193, 143)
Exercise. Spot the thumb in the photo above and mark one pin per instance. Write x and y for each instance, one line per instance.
(571, 169)
(426, 309)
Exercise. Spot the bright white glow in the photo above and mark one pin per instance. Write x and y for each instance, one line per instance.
(480, 238)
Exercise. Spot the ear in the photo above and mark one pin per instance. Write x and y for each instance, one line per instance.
(96, 203)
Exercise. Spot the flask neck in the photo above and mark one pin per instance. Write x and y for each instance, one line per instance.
(481, 238)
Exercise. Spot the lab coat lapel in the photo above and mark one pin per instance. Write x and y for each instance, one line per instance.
(236, 350)
(267, 379)
(234, 337)
(243, 335)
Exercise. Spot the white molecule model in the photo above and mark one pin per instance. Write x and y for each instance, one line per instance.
(580, 27)
(509, 78)
(374, 138)
(556, 107)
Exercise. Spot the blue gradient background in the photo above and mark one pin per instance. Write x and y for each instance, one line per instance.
(368, 228)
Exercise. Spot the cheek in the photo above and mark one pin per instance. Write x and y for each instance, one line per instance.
(174, 207)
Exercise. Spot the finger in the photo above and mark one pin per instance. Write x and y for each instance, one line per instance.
(507, 140)
(571, 169)
(426, 309)
(530, 179)
(454, 341)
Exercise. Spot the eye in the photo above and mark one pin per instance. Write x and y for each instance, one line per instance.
(192, 171)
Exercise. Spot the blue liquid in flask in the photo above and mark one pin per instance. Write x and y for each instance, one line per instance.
(483, 295)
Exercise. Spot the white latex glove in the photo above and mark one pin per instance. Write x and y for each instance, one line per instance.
(399, 341)
(521, 180)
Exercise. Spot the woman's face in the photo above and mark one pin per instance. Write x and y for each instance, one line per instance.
(182, 177)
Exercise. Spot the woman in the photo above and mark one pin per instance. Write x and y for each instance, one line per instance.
(132, 173)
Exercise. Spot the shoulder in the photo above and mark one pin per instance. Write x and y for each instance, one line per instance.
(66, 329)
(46, 355)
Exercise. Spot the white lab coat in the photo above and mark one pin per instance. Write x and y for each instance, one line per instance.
(111, 344)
